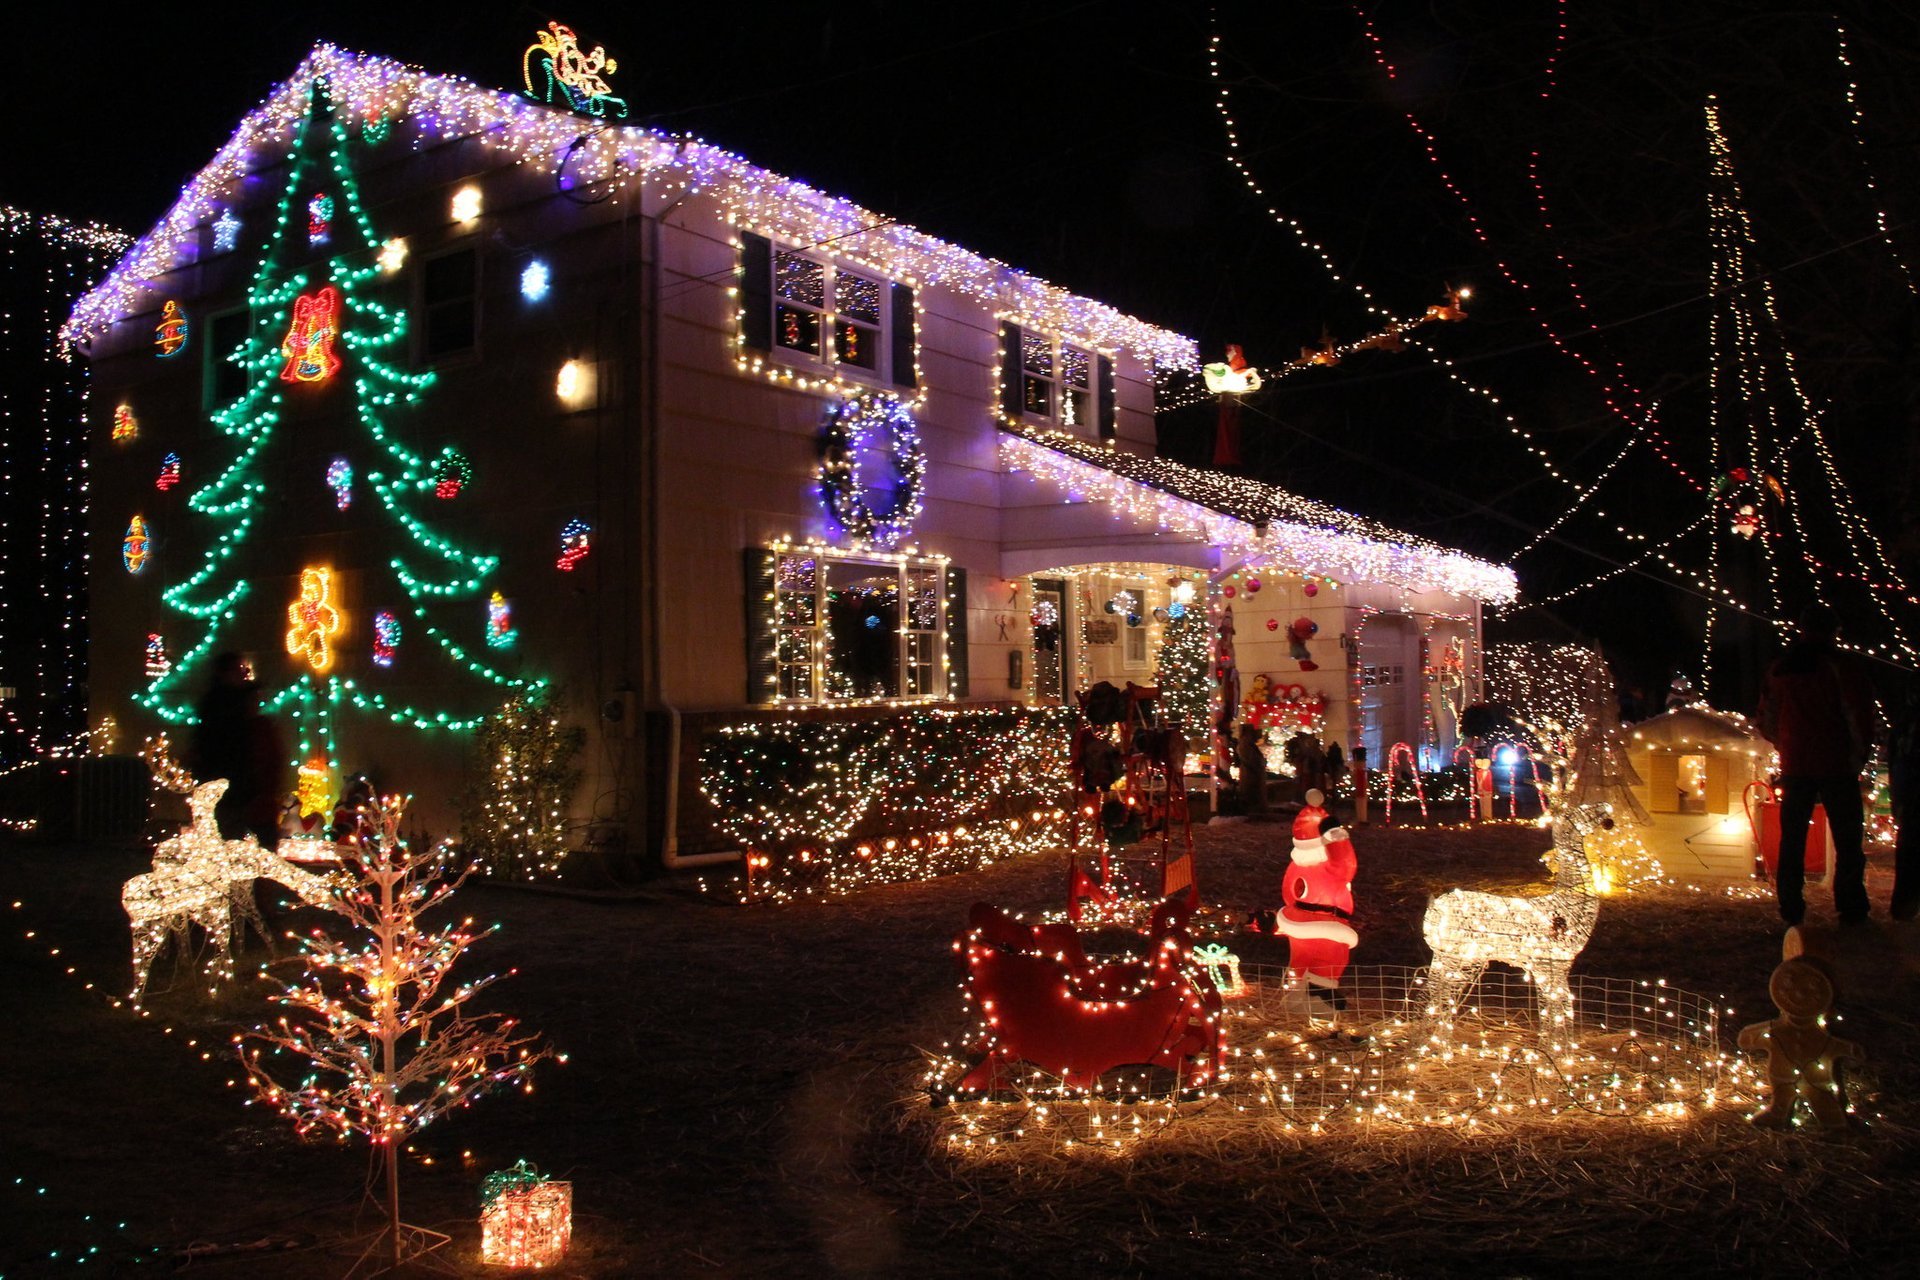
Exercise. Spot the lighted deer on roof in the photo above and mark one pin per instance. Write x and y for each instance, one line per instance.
(200, 878)
(1540, 936)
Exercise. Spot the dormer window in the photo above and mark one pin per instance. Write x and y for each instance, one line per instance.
(1048, 381)
(817, 317)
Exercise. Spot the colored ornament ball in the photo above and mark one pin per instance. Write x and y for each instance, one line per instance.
(135, 548)
(1312, 588)
(169, 473)
(1253, 586)
(576, 540)
(340, 480)
(451, 474)
(1227, 591)
(1273, 624)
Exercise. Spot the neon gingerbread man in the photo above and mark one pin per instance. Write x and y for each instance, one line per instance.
(314, 621)
(309, 342)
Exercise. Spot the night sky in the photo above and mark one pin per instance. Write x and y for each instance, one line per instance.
(1081, 142)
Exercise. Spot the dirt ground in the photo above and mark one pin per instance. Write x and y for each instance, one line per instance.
(740, 1101)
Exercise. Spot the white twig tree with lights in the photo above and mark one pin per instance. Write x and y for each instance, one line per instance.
(383, 1050)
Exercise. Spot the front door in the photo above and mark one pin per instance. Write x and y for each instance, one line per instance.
(1050, 640)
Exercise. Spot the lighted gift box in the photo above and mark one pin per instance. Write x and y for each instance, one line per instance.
(528, 1225)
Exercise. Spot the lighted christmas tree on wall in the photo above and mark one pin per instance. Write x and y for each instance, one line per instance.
(319, 346)
(514, 815)
(372, 1045)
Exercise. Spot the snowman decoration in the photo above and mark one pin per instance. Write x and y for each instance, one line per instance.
(1316, 903)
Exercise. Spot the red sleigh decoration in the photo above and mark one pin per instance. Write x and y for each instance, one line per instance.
(1043, 1002)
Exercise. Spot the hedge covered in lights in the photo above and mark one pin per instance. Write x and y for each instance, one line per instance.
(825, 805)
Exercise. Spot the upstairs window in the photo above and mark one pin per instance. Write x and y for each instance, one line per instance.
(1048, 381)
(810, 312)
(449, 305)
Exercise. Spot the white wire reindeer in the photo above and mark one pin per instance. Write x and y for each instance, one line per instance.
(1541, 936)
(200, 878)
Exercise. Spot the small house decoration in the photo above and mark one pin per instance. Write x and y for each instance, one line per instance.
(1693, 766)
(526, 1219)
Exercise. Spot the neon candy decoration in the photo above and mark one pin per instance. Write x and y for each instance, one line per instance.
(340, 480)
(576, 540)
(136, 547)
(169, 473)
(386, 638)
(451, 474)
(309, 342)
(125, 425)
(500, 632)
(313, 620)
(319, 219)
(170, 336)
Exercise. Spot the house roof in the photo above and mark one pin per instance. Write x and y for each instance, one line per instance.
(443, 108)
(1258, 524)
(1694, 725)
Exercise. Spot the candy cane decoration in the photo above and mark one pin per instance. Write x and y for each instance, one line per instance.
(1394, 754)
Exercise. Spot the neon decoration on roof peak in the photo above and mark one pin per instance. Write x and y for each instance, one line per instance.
(440, 108)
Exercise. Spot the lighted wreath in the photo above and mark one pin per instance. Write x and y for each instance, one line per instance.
(854, 426)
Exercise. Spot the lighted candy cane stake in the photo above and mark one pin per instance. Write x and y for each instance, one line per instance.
(1394, 754)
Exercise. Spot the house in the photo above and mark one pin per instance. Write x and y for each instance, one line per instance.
(466, 394)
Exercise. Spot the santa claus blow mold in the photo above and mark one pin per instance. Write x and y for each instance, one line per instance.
(1316, 902)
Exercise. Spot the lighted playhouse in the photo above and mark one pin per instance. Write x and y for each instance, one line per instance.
(1696, 766)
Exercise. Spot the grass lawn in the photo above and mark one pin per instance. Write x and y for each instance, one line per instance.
(741, 1100)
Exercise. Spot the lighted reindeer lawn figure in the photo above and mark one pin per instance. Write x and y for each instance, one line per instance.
(200, 878)
(1150, 759)
(1541, 936)
(1042, 1001)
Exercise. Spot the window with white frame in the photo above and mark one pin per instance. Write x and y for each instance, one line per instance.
(828, 312)
(1046, 378)
(854, 629)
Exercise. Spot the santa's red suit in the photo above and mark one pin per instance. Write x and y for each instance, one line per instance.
(1316, 897)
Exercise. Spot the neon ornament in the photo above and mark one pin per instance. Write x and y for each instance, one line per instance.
(226, 232)
(320, 219)
(535, 281)
(309, 343)
(386, 638)
(555, 54)
(157, 663)
(340, 480)
(576, 540)
(500, 632)
(125, 425)
(136, 547)
(313, 622)
(170, 336)
(451, 474)
(169, 473)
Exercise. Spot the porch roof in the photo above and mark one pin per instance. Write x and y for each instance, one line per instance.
(1247, 522)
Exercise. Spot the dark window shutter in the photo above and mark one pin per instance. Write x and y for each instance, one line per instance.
(763, 674)
(1012, 393)
(902, 354)
(956, 631)
(756, 291)
(1108, 416)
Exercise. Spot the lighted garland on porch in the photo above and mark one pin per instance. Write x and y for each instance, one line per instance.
(858, 425)
(823, 807)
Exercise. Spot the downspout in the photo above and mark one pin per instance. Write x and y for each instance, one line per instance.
(670, 855)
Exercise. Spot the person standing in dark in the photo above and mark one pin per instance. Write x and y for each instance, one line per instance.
(1336, 769)
(1817, 711)
(232, 740)
(1903, 789)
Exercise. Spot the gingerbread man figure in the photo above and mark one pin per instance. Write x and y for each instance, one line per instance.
(1801, 1053)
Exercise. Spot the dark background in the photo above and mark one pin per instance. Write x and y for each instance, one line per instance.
(1081, 142)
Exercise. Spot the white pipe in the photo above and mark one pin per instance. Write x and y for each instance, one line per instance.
(670, 853)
